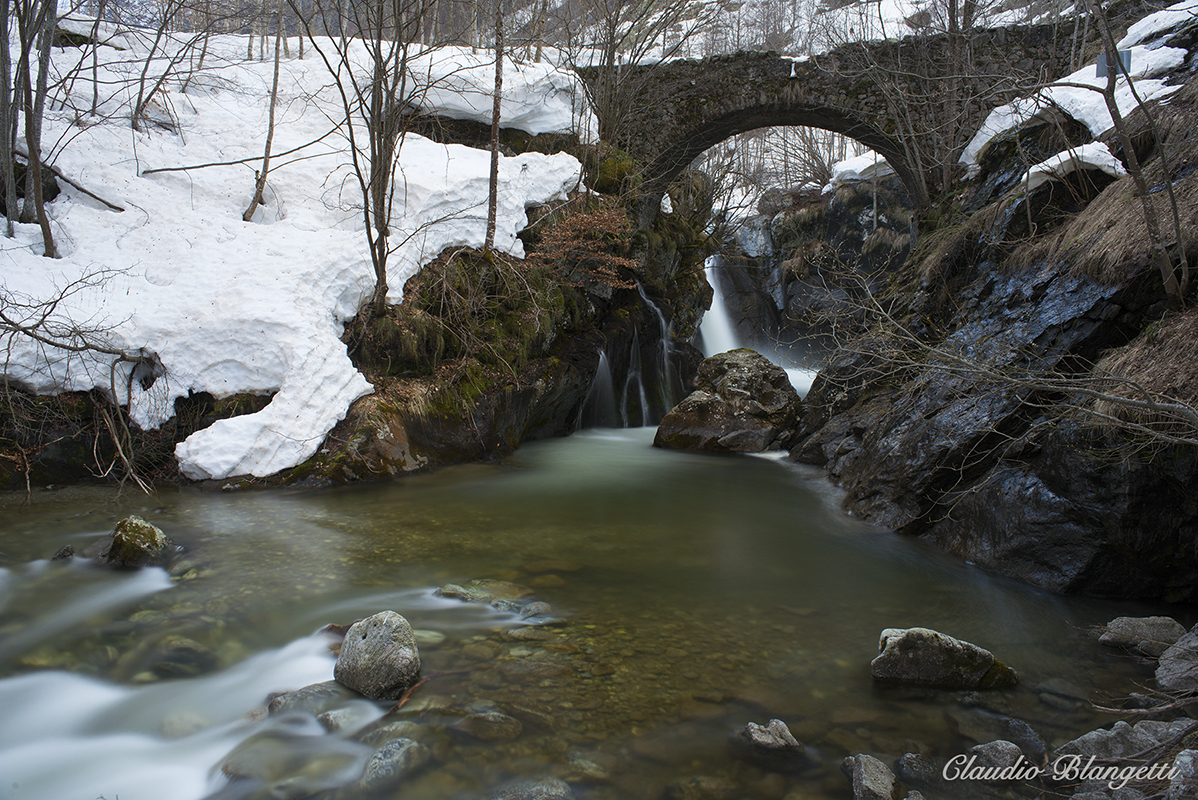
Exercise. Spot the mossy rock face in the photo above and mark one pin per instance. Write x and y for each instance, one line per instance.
(137, 543)
(614, 172)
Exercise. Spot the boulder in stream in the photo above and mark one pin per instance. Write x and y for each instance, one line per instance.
(392, 762)
(924, 657)
(1178, 667)
(872, 780)
(1152, 636)
(379, 657)
(772, 747)
(742, 403)
(136, 543)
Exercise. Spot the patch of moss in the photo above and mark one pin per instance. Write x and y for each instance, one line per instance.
(614, 171)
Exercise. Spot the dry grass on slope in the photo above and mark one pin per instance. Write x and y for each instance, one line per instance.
(1109, 240)
(1156, 379)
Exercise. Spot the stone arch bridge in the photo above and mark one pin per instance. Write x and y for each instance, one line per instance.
(665, 115)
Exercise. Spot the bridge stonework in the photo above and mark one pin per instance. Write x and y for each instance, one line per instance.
(676, 110)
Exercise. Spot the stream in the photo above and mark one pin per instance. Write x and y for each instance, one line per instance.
(698, 593)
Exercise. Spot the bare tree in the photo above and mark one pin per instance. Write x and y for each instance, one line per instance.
(375, 96)
(260, 183)
(493, 189)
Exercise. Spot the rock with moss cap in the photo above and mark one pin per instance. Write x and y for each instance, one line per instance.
(924, 657)
(742, 403)
(137, 543)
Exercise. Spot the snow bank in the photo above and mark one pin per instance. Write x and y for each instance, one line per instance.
(228, 306)
(1094, 155)
(865, 167)
(1142, 31)
(1080, 95)
(542, 99)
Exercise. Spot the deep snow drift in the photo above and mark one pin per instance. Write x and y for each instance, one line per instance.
(230, 306)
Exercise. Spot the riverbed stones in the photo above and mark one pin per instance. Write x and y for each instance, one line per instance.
(513, 598)
(534, 789)
(741, 403)
(979, 725)
(379, 657)
(997, 755)
(924, 657)
(136, 543)
(1178, 667)
(1183, 784)
(490, 726)
(392, 762)
(872, 780)
(486, 591)
(315, 698)
(772, 747)
(700, 787)
(1152, 636)
(1121, 740)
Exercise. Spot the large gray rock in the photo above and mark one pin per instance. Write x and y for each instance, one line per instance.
(1150, 635)
(924, 657)
(872, 780)
(742, 403)
(379, 657)
(1178, 667)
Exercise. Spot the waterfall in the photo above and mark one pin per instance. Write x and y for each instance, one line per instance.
(634, 381)
(716, 327)
(599, 409)
(720, 337)
(651, 384)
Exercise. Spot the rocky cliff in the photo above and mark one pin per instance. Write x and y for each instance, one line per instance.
(1006, 400)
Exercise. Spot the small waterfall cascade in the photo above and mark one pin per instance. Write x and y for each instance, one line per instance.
(600, 410)
(666, 376)
(635, 388)
(720, 337)
(716, 327)
(634, 401)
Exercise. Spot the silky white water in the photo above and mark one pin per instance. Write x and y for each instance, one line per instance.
(719, 336)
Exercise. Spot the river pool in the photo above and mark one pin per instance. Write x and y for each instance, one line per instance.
(699, 593)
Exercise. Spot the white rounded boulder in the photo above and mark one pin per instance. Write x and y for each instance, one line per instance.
(379, 657)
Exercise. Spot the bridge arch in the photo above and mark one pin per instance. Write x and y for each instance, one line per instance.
(663, 170)
(671, 112)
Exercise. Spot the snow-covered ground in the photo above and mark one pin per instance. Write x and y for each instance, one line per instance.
(230, 306)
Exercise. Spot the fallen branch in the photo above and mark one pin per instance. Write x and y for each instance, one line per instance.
(58, 174)
(246, 160)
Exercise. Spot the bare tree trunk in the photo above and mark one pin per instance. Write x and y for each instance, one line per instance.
(46, 20)
(260, 185)
(95, 56)
(34, 170)
(540, 32)
(7, 172)
(493, 194)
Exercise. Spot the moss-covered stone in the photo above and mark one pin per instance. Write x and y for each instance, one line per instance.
(137, 543)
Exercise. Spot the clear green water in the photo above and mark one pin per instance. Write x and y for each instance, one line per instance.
(701, 593)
